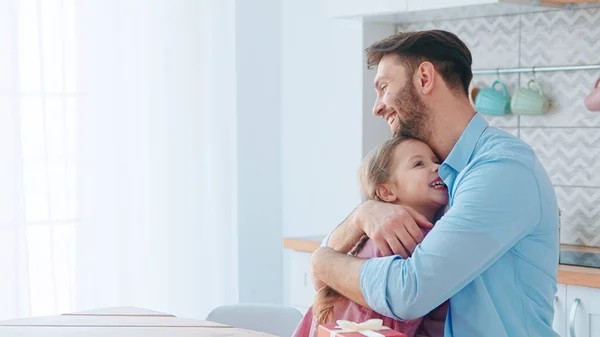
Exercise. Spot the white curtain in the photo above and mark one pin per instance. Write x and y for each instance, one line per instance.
(14, 284)
(118, 159)
(156, 159)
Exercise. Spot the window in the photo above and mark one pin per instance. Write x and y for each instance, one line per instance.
(48, 100)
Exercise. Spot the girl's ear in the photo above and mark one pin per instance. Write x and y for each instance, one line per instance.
(385, 193)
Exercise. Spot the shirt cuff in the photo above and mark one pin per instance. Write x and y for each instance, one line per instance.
(373, 284)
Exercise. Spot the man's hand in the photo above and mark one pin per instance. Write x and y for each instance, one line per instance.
(395, 229)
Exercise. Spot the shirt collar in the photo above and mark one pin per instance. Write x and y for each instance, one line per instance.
(463, 149)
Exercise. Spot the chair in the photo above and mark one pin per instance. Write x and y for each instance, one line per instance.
(276, 320)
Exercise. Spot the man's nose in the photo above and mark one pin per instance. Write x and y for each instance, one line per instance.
(436, 167)
(378, 109)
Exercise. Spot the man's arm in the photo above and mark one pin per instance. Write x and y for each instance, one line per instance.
(339, 271)
(393, 228)
(341, 240)
(495, 205)
(346, 235)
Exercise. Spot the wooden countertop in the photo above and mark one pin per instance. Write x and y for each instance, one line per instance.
(573, 275)
(306, 244)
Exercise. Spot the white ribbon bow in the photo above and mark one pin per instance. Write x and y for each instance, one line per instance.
(367, 328)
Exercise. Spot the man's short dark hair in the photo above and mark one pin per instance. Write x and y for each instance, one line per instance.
(448, 54)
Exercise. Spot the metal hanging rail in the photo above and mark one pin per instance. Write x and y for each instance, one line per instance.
(535, 69)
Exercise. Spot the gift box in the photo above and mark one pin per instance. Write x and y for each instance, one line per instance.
(370, 328)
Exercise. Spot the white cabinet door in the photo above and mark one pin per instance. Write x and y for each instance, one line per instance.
(360, 8)
(386, 9)
(560, 311)
(302, 292)
(423, 5)
(583, 318)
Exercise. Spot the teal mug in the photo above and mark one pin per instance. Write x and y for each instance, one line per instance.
(528, 101)
(493, 102)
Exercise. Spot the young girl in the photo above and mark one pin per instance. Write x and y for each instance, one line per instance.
(402, 171)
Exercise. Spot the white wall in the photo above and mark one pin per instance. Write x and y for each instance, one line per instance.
(375, 129)
(320, 127)
(320, 124)
(326, 121)
(258, 72)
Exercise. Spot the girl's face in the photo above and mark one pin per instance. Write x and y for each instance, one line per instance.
(414, 180)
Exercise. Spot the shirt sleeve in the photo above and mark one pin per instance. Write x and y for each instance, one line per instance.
(495, 205)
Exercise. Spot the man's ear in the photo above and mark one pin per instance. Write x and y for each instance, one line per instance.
(426, 77)
(385, 193)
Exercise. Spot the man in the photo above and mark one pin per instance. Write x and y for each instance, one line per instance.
(494, 253)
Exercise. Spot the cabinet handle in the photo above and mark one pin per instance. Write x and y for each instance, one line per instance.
(554, 303)
(572, 315)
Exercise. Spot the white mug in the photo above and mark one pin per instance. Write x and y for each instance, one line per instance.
(528, 101)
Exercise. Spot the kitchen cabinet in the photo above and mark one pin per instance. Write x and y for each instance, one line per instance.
(387, 8)
(360, 8)
(559, 324)
(576, 304)
(583, 317)
(422, 5)
(568, 2)
(576, 309)
(302, 292)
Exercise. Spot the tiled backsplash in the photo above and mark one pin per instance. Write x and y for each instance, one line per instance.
(567, 139)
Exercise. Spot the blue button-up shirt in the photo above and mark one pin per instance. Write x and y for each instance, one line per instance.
(494, 254)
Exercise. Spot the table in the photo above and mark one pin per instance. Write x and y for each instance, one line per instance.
(119, 322)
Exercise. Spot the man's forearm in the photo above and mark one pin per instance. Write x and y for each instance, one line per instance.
(341, 272)
(346, 235)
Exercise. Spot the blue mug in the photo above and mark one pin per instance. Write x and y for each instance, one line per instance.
(493, 102)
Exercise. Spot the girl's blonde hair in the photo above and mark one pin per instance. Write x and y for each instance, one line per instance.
(376, 169)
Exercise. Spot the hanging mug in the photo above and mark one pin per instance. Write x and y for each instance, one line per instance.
(493, 102)
(592, 101)
(528, 101)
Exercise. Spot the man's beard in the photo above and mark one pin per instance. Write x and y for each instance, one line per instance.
(412, 114)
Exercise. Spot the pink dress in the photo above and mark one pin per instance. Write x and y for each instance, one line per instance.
(432, 325)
